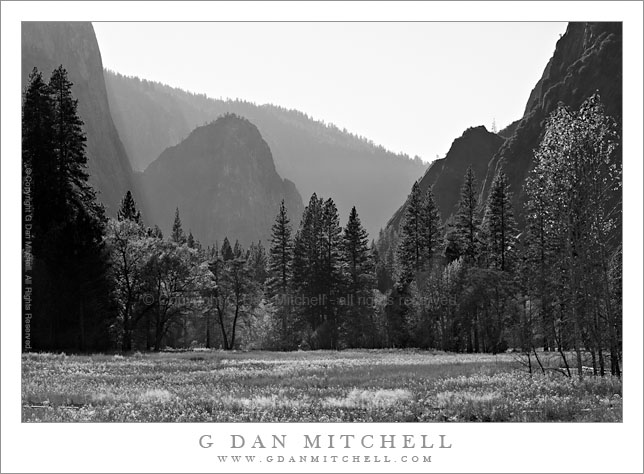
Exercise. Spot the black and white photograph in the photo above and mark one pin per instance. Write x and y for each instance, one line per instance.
(354, 237)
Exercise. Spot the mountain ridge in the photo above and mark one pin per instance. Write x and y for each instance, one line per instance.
(587, 58)
(223, 179)
(316, 156)
(475, 147)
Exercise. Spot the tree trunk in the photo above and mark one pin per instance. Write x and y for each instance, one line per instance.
(158, 333)
(476, 331)
(148, 324)
(222, 326)
(208, 329)
(81, 324)
(232, 336)
(127, 333)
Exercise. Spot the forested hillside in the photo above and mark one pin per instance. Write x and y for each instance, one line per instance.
(223, 180)
(317, 157)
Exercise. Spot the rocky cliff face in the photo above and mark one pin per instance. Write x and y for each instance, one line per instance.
(317, 157)
(46, 45)
(223, 179)
(588, 58)
(474, 148)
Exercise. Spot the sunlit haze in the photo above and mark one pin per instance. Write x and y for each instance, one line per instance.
(411, 87)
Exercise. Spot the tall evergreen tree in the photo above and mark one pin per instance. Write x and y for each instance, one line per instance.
(69, 141)
(499, 228)
(332, 270)
(280, 272)
(318, 271)
(85, 229)
(307, 263)
(128, 209)
(69, 223)
(497, 260)
(281, 254)
(412, 236)
(360, 280)
(432, 227)
(467, 221)
(178, 235)
(40, 207)
(38, 159)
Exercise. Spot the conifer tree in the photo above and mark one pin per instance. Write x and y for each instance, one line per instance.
(360, 279)
(280, 272)
(412, 236)
(332, 269)
(69, 224)
(281, 254)
(177, 231)
(40, 206)
(128, 209)
(39, 162)
(226, 250)
(318, 270)
(499, 228)
(257, 263)
(432, 227)
(307, 262)
(467, 222)
(69, 141)
(191, 240)
(238, 251)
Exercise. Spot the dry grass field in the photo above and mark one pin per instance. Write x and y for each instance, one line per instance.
(319, 386)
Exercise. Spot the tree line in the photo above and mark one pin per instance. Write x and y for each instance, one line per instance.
(475, 283)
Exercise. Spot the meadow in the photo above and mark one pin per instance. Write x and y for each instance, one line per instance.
(316, 386)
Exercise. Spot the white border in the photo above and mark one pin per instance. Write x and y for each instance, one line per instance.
(173, 447)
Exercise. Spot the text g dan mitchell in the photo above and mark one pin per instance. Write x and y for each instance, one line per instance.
(342, 441)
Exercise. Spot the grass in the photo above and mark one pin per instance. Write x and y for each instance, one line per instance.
(378, 385)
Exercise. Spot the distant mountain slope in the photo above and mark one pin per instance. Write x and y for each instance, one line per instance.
(47, 45)
(317, 157)
(587, 58)
(474, 148)
(223, 179)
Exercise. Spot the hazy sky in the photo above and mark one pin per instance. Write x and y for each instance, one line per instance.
(411, 87)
